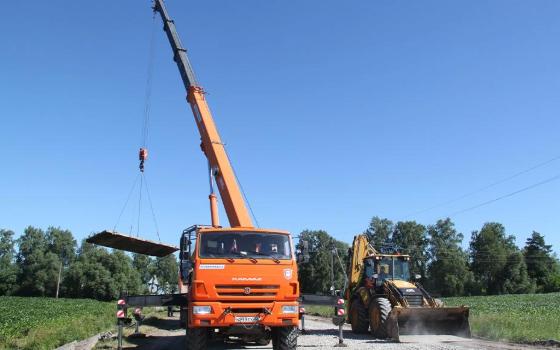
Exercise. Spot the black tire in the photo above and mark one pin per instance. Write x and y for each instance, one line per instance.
(379, 311)
(196, 338)
(284, 338)
(359, 317)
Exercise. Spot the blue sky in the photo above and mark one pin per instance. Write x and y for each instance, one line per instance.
(332, 112)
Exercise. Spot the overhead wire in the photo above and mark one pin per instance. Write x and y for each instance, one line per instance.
(152, 207)
(484, 188)
(148, 90)
(241, 187)
(144, 134)
(139, 205)
(126, 202)
(540, 183)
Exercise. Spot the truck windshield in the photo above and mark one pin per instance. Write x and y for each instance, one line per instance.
(245, 244)
(393, 268)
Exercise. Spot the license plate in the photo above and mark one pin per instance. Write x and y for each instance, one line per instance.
(246, 319)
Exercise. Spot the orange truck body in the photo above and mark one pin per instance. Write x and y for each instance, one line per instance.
(244, 286)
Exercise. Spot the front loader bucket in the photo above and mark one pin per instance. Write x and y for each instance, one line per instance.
(429, 321)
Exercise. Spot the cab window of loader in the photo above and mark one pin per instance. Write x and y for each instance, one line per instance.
(393, 268)
(250, 244)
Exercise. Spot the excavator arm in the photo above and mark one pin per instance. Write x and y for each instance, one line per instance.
(220, 167)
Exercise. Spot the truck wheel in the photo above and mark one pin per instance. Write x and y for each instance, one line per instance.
(284, 338)
(196, 338)
(379, 311)
(359, 317)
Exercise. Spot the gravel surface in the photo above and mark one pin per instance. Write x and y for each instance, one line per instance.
(322, 334)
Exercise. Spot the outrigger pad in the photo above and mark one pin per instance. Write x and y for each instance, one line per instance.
(119, 241)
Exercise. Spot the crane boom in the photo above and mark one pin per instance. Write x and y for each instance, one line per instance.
(220, 167)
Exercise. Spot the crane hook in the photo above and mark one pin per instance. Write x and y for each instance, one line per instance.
(142, 156)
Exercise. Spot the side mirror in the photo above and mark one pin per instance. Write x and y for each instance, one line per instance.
(186, 267)
(303, 255)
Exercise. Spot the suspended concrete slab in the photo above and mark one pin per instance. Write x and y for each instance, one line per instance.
(115, 240)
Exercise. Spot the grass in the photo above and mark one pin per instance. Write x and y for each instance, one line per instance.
(46, 323)
(518, 318)
(522, 318)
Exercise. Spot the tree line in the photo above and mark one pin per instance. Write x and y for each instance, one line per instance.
(47, 263)
(492, 264)
(50, 263)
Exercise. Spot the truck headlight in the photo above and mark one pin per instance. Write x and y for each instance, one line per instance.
(289, 309)
(201, 310)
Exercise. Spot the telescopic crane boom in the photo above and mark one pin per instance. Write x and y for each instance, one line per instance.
(220, 167)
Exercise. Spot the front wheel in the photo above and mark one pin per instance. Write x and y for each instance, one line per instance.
(196, 338)
(379, 311)
(284, 338)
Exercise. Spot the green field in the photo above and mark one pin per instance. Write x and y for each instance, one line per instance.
(516, 318)
(45, 323)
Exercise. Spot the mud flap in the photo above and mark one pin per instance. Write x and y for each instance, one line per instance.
(429, 321)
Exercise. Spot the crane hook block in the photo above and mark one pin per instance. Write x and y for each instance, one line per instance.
(142, 156)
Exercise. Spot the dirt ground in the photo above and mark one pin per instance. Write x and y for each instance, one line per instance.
(164, 333)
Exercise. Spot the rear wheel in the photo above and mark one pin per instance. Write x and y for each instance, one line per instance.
(284, 338)
(359, 317)
(196, 338)
(379, 311)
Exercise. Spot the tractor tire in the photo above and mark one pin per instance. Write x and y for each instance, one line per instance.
(284, 338)
(359, 317)
(379, 311)
(196, 338)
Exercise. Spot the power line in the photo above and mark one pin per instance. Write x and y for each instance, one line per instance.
(539, 165)
(506, 195)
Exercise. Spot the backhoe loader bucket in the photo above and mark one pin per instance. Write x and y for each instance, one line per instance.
(429, 321)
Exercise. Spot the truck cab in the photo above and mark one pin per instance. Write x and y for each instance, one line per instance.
(241, 282)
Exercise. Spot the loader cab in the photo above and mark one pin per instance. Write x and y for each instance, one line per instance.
(387, 267)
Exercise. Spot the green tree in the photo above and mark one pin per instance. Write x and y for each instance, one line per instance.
(411, 237)
(315, 275)
(145, 266)
(495, 261)
(515, 277)
(63, 245)
(167, 272)
(379, 231)
(447, 268)
(38, 267)
(542, 266)
(8, 268)
(101, 275)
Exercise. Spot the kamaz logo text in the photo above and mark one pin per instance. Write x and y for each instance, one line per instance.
(246, 279)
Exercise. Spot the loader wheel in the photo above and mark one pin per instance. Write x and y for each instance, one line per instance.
(379, 311)
(284, 338)
(196, 338)
(359, 317)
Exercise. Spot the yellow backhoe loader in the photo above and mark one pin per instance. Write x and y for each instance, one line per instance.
(383, 299)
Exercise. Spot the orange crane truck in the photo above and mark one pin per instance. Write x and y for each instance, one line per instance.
(240, 282)
(236, 283)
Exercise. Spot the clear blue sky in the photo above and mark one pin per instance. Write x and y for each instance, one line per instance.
(332, 111)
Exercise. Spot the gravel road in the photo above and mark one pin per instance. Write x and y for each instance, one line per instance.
(321, 334)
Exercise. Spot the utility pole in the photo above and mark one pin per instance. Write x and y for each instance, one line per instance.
(59, 276)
